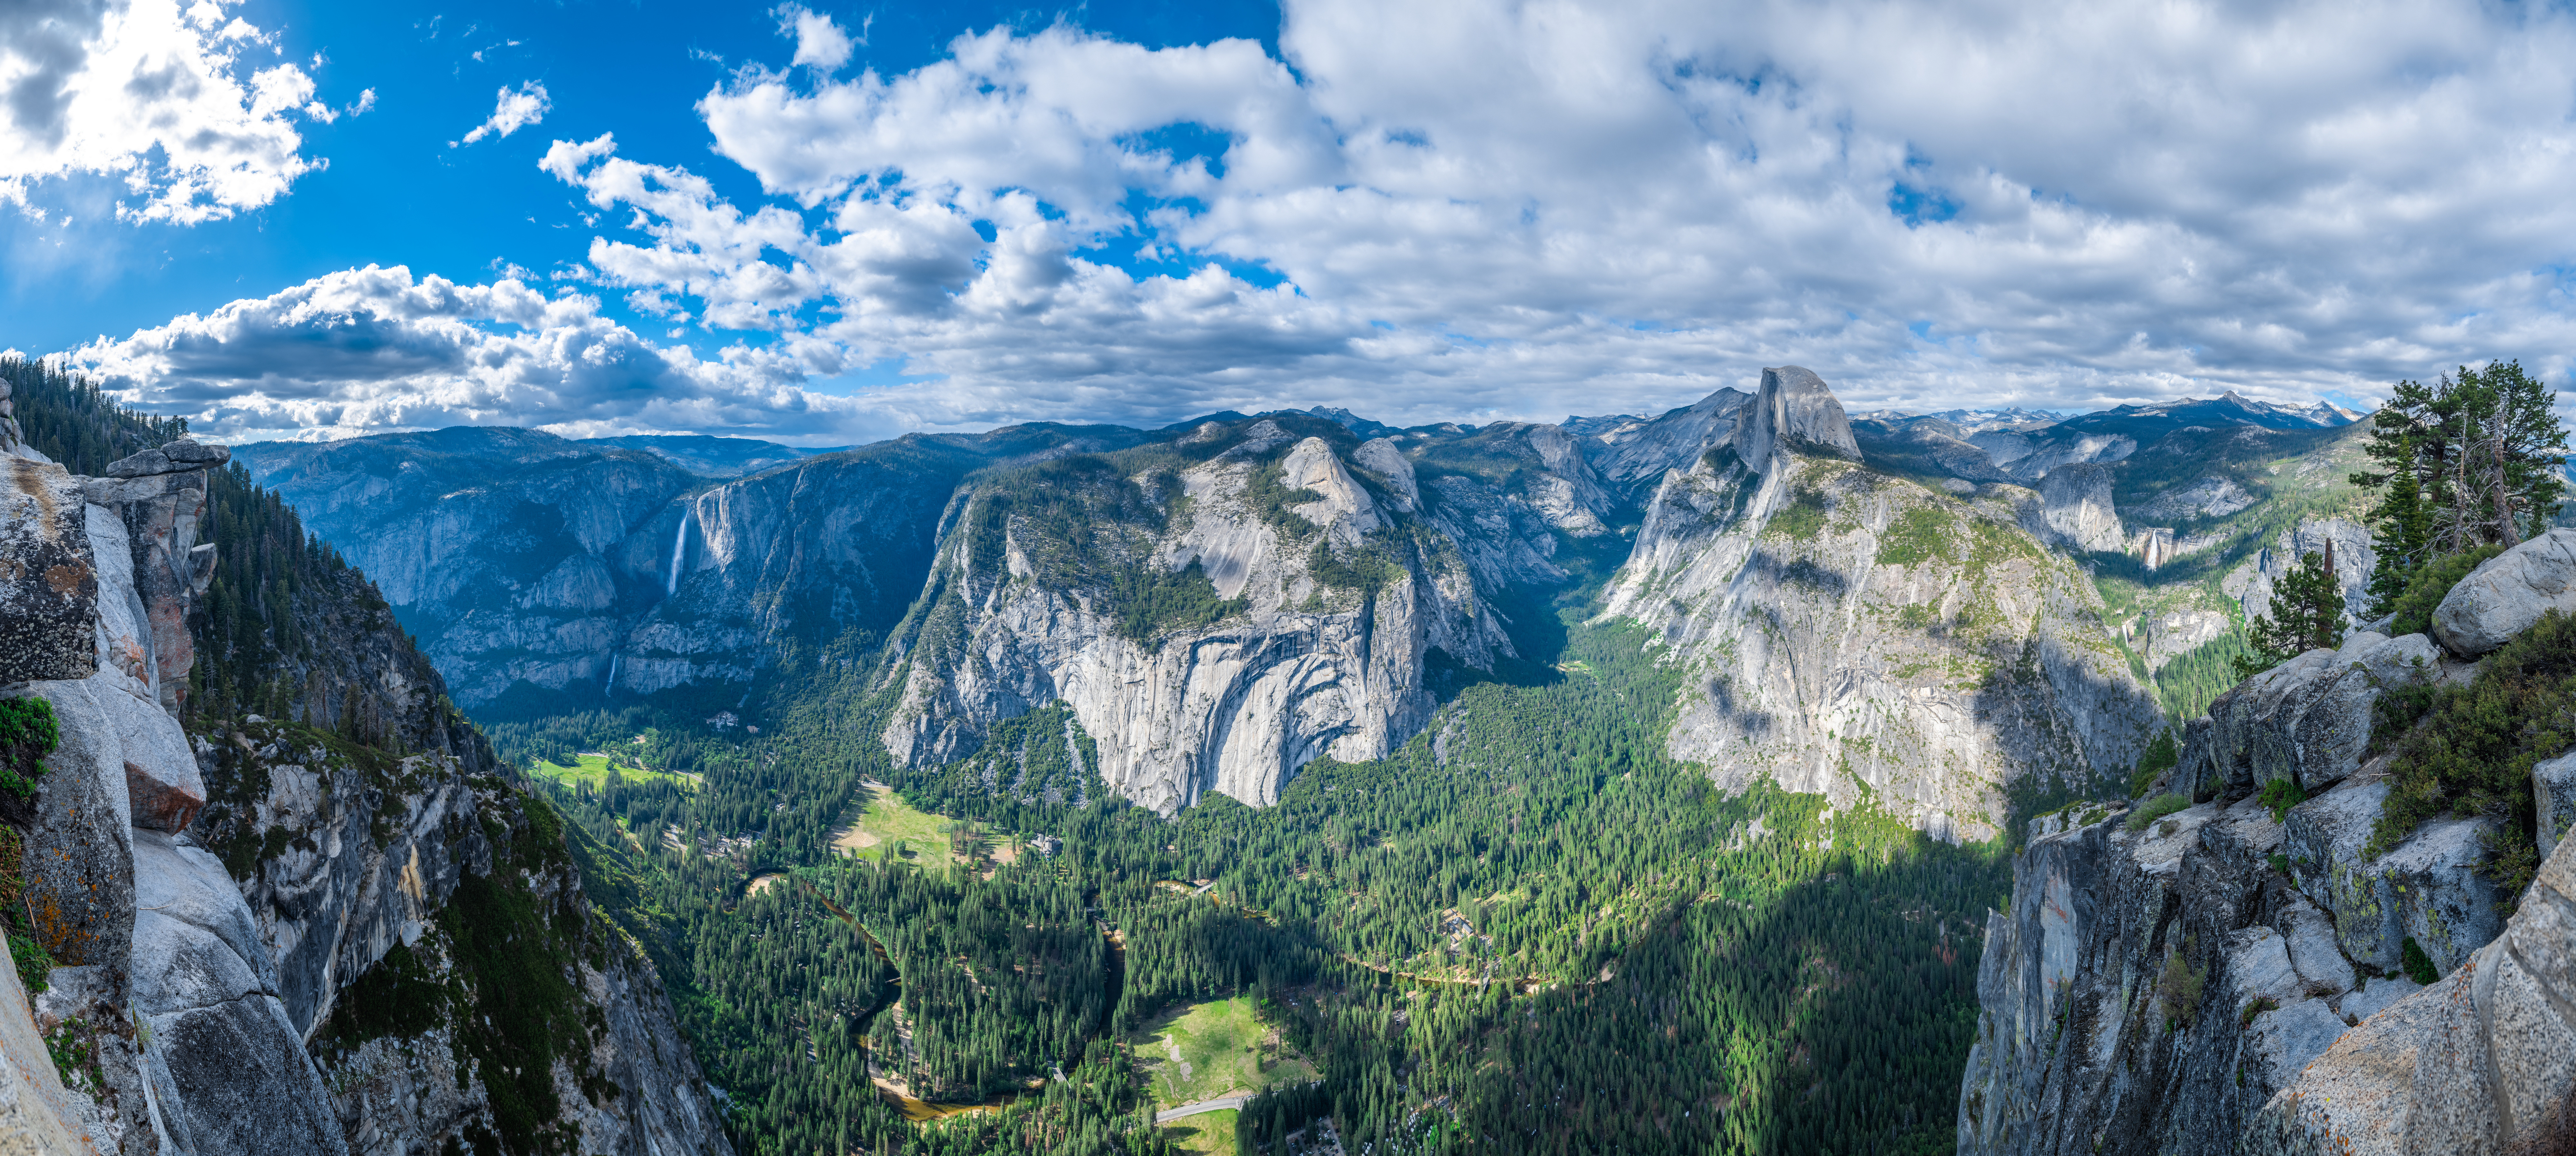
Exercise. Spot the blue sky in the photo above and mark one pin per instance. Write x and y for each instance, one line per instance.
(831, 222)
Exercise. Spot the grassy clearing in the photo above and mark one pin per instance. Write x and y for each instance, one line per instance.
(1209, 1050)
(1208, 1132)
(888, 824)
(593, 769)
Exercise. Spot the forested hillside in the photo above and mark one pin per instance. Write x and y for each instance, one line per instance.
(1527, 930)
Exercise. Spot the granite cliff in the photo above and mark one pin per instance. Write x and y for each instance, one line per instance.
(341, 929)
(2245, 967)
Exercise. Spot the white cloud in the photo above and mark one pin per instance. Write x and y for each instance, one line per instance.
(514, 109)
(1524, 210)
(374, 349)
(820, 43)
(162, 98)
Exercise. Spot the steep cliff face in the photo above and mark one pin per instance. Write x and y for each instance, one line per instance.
(212, 900)
(494, 545)
(1851, 630)
(1216, 611)
(2233, 976)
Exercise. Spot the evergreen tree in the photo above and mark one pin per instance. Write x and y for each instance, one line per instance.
(2307, 614)
(2402, 535)
(2471, 460)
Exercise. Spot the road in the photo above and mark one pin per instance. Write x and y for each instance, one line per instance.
(1220, 1104)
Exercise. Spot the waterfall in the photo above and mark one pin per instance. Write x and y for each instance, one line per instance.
(679, 550)
(613, 660)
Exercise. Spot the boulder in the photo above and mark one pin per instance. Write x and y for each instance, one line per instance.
(2382, 994)
(2259, 967)
(48, 580)
(2482, 1062)
(2310, 936)
(2328, 736)
(2428, 888)
(2280, 1043)
(2506, 594)
(179, 456)
(2553, 792)
(228, 1071)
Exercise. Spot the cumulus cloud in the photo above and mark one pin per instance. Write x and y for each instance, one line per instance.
(168, 100)
(820, 43)
(374, 349)
(512, 110)
(1487, 209)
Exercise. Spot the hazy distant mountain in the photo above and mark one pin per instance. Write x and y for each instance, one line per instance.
(710, 456)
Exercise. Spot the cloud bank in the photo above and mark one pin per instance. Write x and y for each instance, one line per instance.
(171, 101)
(1531, 209)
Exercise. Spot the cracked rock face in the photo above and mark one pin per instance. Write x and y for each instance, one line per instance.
(1296, 664)
(1858, 629)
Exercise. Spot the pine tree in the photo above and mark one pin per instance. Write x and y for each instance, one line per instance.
(2471, 460)
(2402, 537)
(2307, 614)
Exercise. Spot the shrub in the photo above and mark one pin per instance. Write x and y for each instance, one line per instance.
(1801, 520)
(27, 735)
(2468, 750)
(2162, 755)
(2280, 795)
(2414, 608)
(2156, 808)
(2255, 1007)
(2417, 965)
(2178, 989)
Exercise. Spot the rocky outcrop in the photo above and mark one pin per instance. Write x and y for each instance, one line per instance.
(1278, 607)
(1851, 630)
(2251, 582)
(2228, 978)
(1795, 412)
(206, 904)
(2075, 502)
(2482, 1062)
(2508, 593)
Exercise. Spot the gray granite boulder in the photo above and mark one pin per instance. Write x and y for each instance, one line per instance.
(48, 581)
(2553, 793)
(2482, 1062)
(2310, 936)
(2507, 593)
(2429, 888)
(2280, 1043)
(176, 457)
(2307, 720)
(2382, 994)
(227, 1068)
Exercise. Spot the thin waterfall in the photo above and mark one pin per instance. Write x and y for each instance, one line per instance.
(679, 550)
(613, 660)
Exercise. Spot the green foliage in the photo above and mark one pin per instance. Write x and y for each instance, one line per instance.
(1365, 569)
(2307, 614)
(2178, 989)
(1801, 520)
(1270, 500)
(2255, 1007)
(1918, 535)
(34, 962)
(2162, 755)
(2154, 809)
(2469, 750)
(2428, 584)
(1153, 603)
(2188, 682)
(27, 735)
(2279, 795)
(2417, 965)
(2467, 461)
(71, 420)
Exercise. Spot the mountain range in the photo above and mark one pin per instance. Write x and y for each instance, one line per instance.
(1916, 604)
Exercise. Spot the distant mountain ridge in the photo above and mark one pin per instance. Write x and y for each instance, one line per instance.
(1296, 582)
